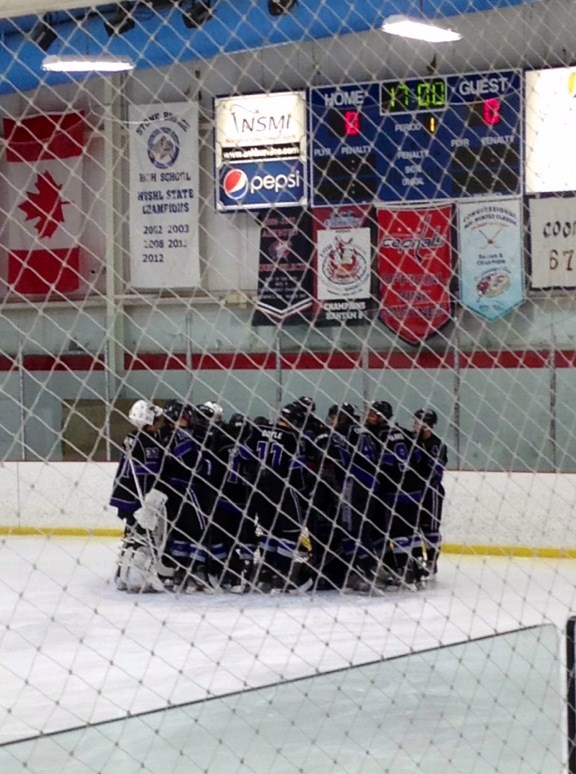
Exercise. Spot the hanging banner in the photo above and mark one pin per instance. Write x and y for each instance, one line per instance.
(553, 242)
(44, 155)
(260, 150)
(490, 250)
(164, 196)
(343, 259)
(415, 270)
(285, 283)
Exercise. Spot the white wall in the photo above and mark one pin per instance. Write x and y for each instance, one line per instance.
(532, 510)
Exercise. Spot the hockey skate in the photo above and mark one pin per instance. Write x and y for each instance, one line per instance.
(200, 580)
(358, 583)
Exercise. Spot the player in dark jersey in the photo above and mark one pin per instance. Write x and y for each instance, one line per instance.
(434, 460)
(183, 459)
(280, 482)
(359, 508)
(340, 519)
(231, 533)
(399, 492)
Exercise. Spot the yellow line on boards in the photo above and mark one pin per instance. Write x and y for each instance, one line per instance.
(449, 548)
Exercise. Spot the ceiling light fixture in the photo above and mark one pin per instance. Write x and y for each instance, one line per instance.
(103, 63)
(419, 29)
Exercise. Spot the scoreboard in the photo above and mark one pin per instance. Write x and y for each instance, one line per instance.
(418, 139)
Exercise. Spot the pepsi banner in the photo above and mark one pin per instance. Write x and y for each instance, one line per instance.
(490, 249)
(285, 281)
(415, 271)
(260, 151)
(343, 239)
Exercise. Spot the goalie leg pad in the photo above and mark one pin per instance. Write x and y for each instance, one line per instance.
(137, 571)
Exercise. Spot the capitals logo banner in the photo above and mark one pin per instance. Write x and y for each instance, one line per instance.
(415, 271)
(343, 239)
(164, 164)
(44, 155)
(490, 249)
(285, 282)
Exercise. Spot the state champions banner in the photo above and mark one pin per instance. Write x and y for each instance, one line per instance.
(343, 239)
(285, 282)
(415, 270)
(44, 155)
(490, 245)
(164, 196)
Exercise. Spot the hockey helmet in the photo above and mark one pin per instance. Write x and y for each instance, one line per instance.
(236, 423)
(345, 412)
(427, 416)
(294, 414)
(174, 410)
(382, 408)
(261, 421)
(217, 410)
(143, 413)
(307, 403)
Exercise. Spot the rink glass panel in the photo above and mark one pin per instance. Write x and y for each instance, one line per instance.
(494, 703)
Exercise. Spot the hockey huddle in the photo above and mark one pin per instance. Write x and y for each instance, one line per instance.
(288, 506)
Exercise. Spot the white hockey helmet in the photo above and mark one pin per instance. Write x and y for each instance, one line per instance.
(217, 410)
(143, 414)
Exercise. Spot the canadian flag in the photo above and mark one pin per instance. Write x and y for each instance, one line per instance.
(44, 155)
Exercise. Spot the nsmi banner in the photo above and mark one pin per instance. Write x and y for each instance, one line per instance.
(343, 239)
(415, 270)
(260, 150)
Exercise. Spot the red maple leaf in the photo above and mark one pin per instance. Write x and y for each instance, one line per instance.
(45, 206)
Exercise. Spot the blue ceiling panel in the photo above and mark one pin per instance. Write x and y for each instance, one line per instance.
(160, 37)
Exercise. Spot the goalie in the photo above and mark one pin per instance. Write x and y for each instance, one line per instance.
(139, 505)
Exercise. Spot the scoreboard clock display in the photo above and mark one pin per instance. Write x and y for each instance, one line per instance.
(418, 139)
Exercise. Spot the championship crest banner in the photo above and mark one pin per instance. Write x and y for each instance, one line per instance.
(343, 259)
(164, 196)
(44, 155)
(415, 270)
(490, 249)
(285, 283)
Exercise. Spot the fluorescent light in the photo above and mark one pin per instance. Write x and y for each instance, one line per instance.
(85, 64)
(418, 29)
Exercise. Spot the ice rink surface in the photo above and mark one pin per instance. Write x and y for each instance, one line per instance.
(75, 652)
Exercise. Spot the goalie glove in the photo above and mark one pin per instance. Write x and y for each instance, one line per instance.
(153, 508)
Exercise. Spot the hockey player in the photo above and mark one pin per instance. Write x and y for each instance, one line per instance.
(326, 532)
(231, 537)
(312, 425)
(276, 499)
(350, 464)
(400, 491)
(434, 460)
(359, 507)
(183, 458)
(136, 476)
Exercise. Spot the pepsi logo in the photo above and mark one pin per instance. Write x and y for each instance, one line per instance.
(235, 184)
